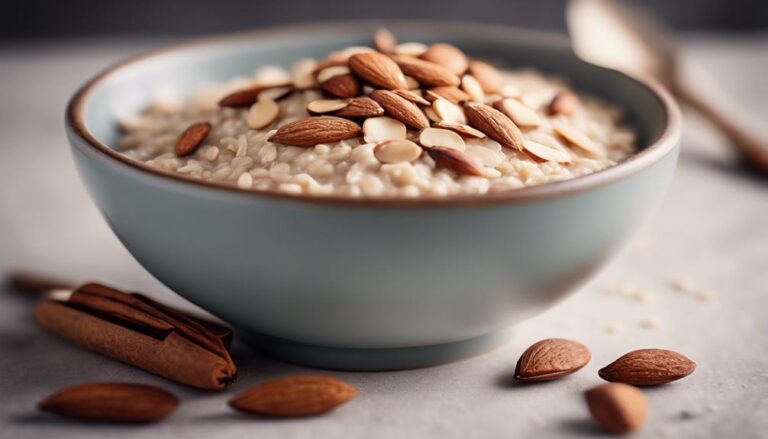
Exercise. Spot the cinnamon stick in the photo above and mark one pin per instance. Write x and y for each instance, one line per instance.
(142, 332)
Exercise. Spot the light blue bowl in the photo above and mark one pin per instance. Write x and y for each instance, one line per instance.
(363, 284)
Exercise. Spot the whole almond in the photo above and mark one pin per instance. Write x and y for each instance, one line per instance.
(299, 395)
(648, 367)
(343, 86)
(550, 359)
(487, 75)
(448, 56)
(191, 138)
(427, 73)
(456, 161)
(401, 109)
(617, 407)
(361, 107)
(564, 102)
(314, 130)
(384, 41)
(453, 94)
(112, 402)
(494, 124)
(378, 69)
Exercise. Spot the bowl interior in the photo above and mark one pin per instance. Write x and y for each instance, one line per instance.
(178, 71)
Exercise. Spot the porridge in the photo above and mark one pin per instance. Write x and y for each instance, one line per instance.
(401, 120)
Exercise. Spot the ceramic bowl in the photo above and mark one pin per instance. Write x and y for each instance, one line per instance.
(367, 284)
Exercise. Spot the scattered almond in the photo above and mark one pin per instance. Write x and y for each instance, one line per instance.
(384, 41)
(275, 93)
(427, 73)
(449, 112)
(487, 75)
(460, 128)
(395, 151)
(247, 96)
(303, 74)
(112, 402)
(343, 86)
(648, 367)
(314, 130)
(576, 138)
(440, 138)
(452, 94)
(401, 109)
(361, 107)
(456, 161)
(494, 124)
(448, 56)
(379, 129)
(617, 407)
(473, 88)
(411, 83)
(550, 359)
(411, 49)
(329, 72)
(300, 395)
(378, 69)
(411, 96)
(262, 114)
(321, 106)
(520, 114)
(564, 102)
(431, 115)
(546, 153)
(191, 138)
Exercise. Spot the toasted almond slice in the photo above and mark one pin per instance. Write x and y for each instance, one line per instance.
(576, 138)
(262, 114)
(191, 138)
(321, 106)
(275, 94)
(328, 62)
(361, 107)
(546, 153)
(315, 130)
(384, 41)
(487, 75)
(303, 74)
(247, 96)
(456, 161)
(411, 83)
(395, 151)
(431, 114)
(494, 124)
(473, 88)
(401, 109)
(411, 96)
(453, 94)
(411, 49)
(448, 111)
(378, 69)
(329, 72)
(486, 156)
(379, 129)
(343, 86)
(520, 114)
(510, 91)
(440, 138)
(464, 130)
(427, 73)
(448, 56)
(564, 102)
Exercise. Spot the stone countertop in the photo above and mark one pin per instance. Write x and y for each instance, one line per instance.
(711, 231)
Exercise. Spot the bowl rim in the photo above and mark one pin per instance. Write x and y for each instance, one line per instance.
(658, 148)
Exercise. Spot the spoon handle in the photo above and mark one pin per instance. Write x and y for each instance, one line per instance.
(752, 146)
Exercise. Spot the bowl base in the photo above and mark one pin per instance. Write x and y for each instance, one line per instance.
(373, 359)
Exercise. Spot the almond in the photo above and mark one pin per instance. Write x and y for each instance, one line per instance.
(550, 359)
(384, 41)
(247, 96)
(401, 109)
(191, 138)
(411, 96)
(440, 138)
(453, 94)
(275, 93)
(321, 106)
(395, 151)
(448, 56)
(472, 87)
(299, 395)
(617, 407)
(361, 107)
(456, 161)
(112, 402)
(379, 129)
(648, 367)
(262, 114)
(411, 49)
(577, 138)
(343, 86)
(520, 114)
(564, 102)
(494, 124)
(315, 130)
(329, 72)
(448, 111)
(378, 69)
(460, 128)
(427, 73)
(303, 74)
(487, 75)
(546, 153)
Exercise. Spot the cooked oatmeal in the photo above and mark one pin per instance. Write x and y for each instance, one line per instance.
(421, 139)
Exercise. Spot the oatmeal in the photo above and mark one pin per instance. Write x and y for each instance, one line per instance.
(406, 120)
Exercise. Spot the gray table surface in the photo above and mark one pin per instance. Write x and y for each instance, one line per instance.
(712, 230)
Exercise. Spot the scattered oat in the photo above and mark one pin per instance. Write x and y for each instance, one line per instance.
(245, 180)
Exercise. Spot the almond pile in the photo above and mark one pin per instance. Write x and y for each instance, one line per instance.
(432, 96)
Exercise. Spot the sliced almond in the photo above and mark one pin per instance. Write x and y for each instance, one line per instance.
(384, 41)
(565, 102)
(275, 94)
(315, 130)
(486, 156)
(343, 86)
(546, 153)
(619, 408)
(550, 359)
(576, 138)
(411, 49)
(411, 96)
(510, 90)
(648, 367)
(321, 106)
(520, 114)
(262, 114)
(380, 129)
(431, 115)
(247, 96)
(303, 74)
(449, 112)
(361, 107)
(329, 62)
(378, 69)
(329, 72)
(494, 124)
(453, 94)
(456, 161)
(448, 56)
(441, 138)
(460, 128)
(487, 75)
(411, 83)
(395, 151)
(473, 88)
(401, 109)
(427, 73)
(191, 138)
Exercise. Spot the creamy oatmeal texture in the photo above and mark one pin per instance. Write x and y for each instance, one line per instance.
(463, 148)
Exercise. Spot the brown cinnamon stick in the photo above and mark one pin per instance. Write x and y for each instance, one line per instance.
(139, 331)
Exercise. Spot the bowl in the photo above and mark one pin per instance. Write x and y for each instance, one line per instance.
(367, 284)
